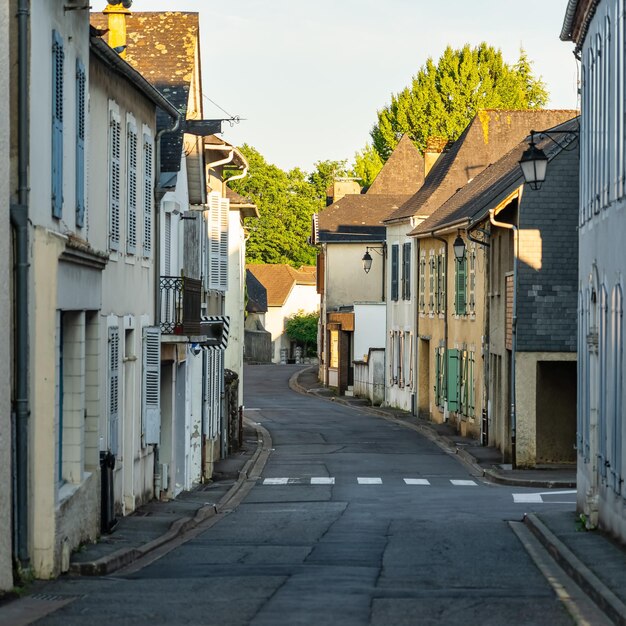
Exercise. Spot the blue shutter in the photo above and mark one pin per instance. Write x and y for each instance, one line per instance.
(406, 271)
(113, 386)
(151, 385)
(80, 144)
(57, 125)
(453, 380)
(394, 272)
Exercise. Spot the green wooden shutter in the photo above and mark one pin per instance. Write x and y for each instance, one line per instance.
(453, 380)
(460, 283)
(470, 384)
(394, 272)
(437, 377)
(57, 124)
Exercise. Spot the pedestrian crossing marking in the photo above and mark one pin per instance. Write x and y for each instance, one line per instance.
(464, 483)
(520, 498)
(417, 481)
(276, 481)
(322, 480)
(367, 480)
(537, 498)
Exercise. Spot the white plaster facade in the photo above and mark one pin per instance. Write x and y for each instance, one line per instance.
(601, 439)
(6, 573)
(369, 327)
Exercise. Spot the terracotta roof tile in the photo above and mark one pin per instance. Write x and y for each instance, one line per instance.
(487, 137)
(279, 279)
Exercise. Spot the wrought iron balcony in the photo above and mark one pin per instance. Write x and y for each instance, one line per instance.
(181, 299)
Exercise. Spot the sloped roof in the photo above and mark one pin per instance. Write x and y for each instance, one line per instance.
(402, 173)
(358, 217)
(279, 279)
(257, 294)
(162, 47)
(487, 137)
(492, 185)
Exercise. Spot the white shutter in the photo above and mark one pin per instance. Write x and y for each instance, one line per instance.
(147, 195)
(131, 187)
(151, 385)
(167, 247)
(113, 388)
(223, 262)
(214, 240)
(114, 179)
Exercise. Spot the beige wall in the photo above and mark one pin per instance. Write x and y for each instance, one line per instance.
(6, 575)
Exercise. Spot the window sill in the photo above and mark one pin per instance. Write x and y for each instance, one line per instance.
(68, 490)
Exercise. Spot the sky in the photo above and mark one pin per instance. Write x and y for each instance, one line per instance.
(307, 77)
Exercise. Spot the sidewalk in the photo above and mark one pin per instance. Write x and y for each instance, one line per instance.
(592, 559)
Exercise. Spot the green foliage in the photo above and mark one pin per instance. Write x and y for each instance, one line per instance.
(301, 327)
(367, 164)
(324, 175)
(443, 98)
(286, 203)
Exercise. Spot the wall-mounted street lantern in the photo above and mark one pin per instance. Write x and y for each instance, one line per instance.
(367, 257)
(459, 248)
(534, 161)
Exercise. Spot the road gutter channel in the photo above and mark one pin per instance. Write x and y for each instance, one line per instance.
(183, 526)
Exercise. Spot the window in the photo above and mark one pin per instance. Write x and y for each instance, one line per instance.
(466, 399)
(440, 376)
(400, 358)
(131, 186)
(617, 367)
(394, 271)
(114, 176)
(441, 282)
(460, 286)
(334, 349)
(422, 279)
(148, 186)
(406, 271)
(58, 57)
(80, 144)
(113, 388)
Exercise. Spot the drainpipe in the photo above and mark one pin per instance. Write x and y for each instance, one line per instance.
(445, 311)
(515, 230)
(19, 221)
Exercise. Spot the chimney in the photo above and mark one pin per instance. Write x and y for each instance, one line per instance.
(435, 147)
(342, 187)
(117, 12)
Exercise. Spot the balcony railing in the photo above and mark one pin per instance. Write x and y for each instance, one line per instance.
(181, 299)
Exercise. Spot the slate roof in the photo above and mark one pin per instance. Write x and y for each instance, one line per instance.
(402, 173)
(162, 47)
(490, 134)
(257, 294)
(357, 217)
(492, 185)
(279, 279)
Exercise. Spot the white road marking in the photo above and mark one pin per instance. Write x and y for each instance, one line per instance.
(322, 480)
(276, 481)
(369, 481)
(520, 498)
(464, 483)
(417, 481)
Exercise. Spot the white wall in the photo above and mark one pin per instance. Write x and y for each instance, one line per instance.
(369, 328)
(6, 574)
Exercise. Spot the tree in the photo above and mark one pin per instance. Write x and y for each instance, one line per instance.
(323, 176)
(443, 98)
(367, 164)
(301, 327)
(286, 203)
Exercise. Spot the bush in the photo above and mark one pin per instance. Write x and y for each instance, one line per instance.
(301, 327)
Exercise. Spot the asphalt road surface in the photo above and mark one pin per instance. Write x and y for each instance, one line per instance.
(356, 520)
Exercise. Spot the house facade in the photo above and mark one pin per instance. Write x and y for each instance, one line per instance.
(597, 31)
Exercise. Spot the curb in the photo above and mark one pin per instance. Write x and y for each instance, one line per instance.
(248, 476)
(444, 443)
(602, 596)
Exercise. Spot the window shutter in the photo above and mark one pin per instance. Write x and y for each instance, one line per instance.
(151, 385)
(58, 57)
(148, 186)
(80, 143)
(406, 271)
(453, 380)
(131, 186)
(214, 240)
(460, 296)
(114, 180)
(394, 272)
(167, 245)
(431, 295)
(437, 377)
(470, 383)
(114, 359)
(422, 282)
(223, 261)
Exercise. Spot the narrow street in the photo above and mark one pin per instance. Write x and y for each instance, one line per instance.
(355, 520)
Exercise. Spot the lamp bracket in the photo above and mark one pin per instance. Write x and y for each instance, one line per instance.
(551, 134)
